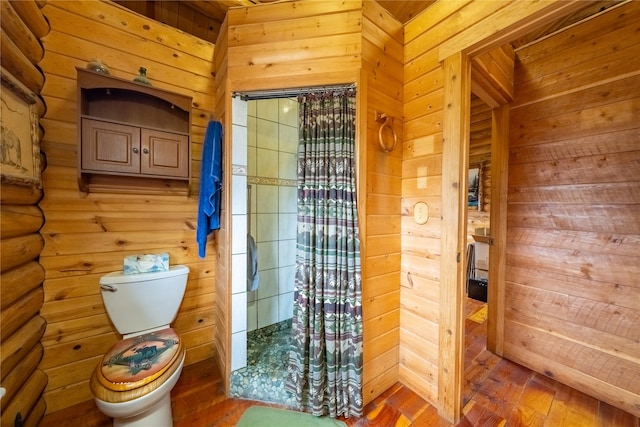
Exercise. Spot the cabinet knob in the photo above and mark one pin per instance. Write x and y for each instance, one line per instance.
(135, 150)
(145, 151)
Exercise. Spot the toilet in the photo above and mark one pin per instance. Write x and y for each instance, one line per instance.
(133, 381)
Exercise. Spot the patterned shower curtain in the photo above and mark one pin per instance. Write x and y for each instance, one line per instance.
(325, 362)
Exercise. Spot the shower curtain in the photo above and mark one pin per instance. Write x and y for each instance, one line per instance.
(325, 363)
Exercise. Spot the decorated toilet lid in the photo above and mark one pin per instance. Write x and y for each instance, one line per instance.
(136, 361)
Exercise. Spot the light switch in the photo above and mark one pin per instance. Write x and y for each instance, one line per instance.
(421, 213)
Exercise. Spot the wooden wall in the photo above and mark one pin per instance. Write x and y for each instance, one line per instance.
(573, 275)
(480, 155)
(21, 277)
(444, 29)
(88, 235)
(301, 44)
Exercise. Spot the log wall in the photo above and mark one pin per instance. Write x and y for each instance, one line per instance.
(88, 235)
(300, 44)
(573, 276)
(21, 291)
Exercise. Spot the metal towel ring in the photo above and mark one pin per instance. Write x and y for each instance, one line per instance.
(384, 119)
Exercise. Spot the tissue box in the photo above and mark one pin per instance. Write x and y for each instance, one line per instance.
(146, 263)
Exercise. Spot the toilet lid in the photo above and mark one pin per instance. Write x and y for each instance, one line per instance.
(136, 361)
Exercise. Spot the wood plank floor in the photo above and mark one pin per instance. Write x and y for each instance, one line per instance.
(497, 393)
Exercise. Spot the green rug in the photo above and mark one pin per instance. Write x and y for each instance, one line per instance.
(265, 416)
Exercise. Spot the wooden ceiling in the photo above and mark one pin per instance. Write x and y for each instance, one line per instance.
(202, 18)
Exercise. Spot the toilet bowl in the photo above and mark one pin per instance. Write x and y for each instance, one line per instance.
(133, 381)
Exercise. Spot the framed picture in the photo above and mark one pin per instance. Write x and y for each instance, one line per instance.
(474, 196)
(19, 143)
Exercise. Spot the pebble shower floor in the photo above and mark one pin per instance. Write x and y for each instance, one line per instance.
(267, 358)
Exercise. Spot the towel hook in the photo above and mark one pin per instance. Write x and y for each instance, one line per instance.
(384, 119)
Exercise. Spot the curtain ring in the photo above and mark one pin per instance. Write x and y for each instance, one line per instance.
(395, 137)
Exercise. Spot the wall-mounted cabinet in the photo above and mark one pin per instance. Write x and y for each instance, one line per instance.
(133, 138)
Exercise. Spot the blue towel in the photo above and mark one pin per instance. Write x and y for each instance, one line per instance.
(210, 185)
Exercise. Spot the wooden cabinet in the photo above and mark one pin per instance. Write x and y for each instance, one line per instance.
(133, 137)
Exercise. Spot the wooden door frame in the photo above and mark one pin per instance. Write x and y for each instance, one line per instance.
(456, 55)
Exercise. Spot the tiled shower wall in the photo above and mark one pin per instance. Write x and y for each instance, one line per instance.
(272, 139)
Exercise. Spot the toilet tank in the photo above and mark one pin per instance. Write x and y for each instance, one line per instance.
(144, 301)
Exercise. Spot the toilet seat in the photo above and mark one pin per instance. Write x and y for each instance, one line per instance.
(137, 365)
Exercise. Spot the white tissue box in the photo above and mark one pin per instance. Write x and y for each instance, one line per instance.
(146, 263)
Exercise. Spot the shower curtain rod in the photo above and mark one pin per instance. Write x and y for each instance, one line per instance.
(289, 93)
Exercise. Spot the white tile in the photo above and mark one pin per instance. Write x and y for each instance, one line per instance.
(238, 194)
(267, 109)
(288, 164)
(238, 350)
(288, 139)
(252, 162)
(286, 252)
(267, 163)
(252, 296)
(287, 279)
(254, 225)
(267, 311)
(267, 199)
(239, 233)
(238, 273)
(288, 199)
(267, 227)
(268, 286)
(285, 306)
(239, 312)
(251, 131)
(266, 134)
(288, 226)
(267, 255)
(252, 316)
(288, 111)
(239, 145)
(239, 111)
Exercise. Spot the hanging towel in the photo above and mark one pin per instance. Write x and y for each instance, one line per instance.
(210, 185)
(252, 264)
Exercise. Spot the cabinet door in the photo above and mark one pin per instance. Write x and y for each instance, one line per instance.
(164, 153)
(110, 147)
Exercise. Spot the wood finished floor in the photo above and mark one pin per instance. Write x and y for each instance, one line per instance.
(497, 393)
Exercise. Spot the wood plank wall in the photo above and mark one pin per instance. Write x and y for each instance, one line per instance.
(443, 29)
(21, 277)
(573, 275)
(302, 44)
(480, 154)
(88, 235)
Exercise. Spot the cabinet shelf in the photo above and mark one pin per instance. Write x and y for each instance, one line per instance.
(132, 138)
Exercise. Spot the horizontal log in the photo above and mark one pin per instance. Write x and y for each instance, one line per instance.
(14, 61)
(15, 315)
(20, 250)
(19, 344)
(27, 397)
(20, 33)
(13, 194)
(17, 220)
(36, 414)
(85, 348)
(18, 375)
(31, 15)
(17, 282)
